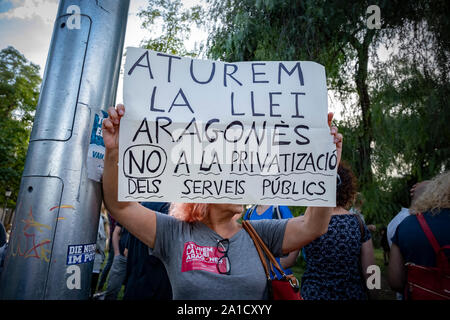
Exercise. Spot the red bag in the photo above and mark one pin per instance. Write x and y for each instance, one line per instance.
(286, 288)
(429, 283)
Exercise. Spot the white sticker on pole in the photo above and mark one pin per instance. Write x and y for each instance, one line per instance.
(215, 132)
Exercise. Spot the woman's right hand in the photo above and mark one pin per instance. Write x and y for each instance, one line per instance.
(337, 137)
(110, 126)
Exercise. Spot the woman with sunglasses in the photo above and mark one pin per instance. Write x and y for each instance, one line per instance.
(207, 253)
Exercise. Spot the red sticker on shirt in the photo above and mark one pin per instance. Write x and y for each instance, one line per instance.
(197, 257)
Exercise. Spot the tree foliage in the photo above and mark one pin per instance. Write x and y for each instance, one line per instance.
(333, 33)
(395, 123)
(19, 93)
(395, 119)
(175, 22)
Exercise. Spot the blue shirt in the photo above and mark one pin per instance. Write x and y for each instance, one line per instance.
(268, 214)
(414, 244)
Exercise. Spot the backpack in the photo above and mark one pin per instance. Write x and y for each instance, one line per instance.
(276, 214)
(429, 283)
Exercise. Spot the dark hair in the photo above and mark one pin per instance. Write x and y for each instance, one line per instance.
(347, 189)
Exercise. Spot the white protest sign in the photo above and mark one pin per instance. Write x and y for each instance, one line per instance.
(214, 132)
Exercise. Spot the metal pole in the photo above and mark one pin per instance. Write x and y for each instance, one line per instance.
(50, 251)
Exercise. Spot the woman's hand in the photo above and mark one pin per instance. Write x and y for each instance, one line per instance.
(138, 220)
(337, 137)
(110, 126)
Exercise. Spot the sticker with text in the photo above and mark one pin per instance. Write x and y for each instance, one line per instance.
(81, 253)
(204, 258)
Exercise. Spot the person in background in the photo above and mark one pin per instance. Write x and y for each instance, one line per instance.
(146, 276)
(3, 246)
(260, 212)
(357, 209)
(118, 271)
(385, 245)
(99, 251)
(415, 192)
(207, 253)
(409, 243)
(336, 262)
(109, 261)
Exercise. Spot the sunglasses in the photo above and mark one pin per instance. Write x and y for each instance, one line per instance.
(223, 264)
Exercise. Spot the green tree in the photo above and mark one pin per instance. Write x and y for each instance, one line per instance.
(175, 22)
(333, 33)
(19, 93)
(395, 124)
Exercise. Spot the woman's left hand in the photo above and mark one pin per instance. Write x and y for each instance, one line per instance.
(336, 136)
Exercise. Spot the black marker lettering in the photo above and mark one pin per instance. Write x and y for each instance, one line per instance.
(213, 70)
(296, 94)
(137, 64)
(254, 74)
(146, 130)
(169, 70)
(225, 73)
(297, 66)
(152, 102)
(186, 102)
(272, 104)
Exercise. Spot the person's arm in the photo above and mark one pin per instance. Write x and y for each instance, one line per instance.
(290, 260)
(367, 259)
(396, 269)
(134, 217)
(107, 231)
(116, 239)
(302, 230)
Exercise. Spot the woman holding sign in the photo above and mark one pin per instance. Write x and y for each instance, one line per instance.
(206, 252)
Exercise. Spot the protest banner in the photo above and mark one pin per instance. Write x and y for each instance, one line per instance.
(215, 132)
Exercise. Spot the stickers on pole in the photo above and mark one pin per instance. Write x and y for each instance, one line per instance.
(80, 253)
(96, 151)
(215, 132)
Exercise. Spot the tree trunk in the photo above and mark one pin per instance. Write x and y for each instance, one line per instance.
(366, 130)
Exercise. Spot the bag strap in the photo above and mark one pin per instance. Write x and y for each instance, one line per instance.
(261, 257)
(441, 258)
(258, 249)
(430, 236)
(261, 246)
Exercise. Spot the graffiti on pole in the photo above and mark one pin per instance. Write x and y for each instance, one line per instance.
(32, 247)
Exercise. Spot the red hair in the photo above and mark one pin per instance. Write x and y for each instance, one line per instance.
(189, 212)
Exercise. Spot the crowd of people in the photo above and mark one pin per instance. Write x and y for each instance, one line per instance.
(204, 245)
(164, 251)
(128, 265)
(335, 262)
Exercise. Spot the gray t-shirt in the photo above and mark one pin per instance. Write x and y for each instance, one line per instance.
(189, 253)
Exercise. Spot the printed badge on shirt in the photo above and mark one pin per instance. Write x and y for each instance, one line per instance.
(204, 258)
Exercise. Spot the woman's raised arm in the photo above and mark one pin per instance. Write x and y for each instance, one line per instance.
(134, 217)
(302, 230)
